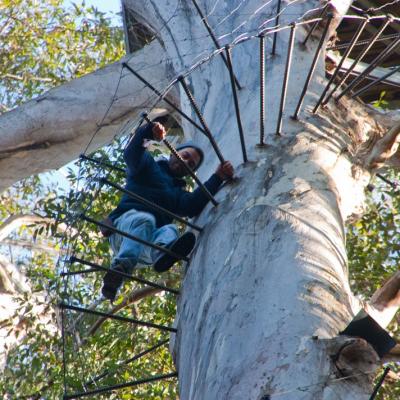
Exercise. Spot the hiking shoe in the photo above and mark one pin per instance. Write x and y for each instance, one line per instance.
(181, 247)
(112, 282)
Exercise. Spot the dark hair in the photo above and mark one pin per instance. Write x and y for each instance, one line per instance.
(193, 146)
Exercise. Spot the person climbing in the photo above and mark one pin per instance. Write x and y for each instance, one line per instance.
(162, 183)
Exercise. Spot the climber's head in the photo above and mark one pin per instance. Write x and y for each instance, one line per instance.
(190, 153)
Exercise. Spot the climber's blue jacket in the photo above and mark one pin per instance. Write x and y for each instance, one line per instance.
(154, 181)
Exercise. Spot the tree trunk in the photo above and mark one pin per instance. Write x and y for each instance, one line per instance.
(266, 292)
(267, 284)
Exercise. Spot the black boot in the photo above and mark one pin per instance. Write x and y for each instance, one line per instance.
(181, 247)
(112, 282)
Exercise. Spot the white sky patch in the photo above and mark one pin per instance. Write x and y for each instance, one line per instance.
(111, 7)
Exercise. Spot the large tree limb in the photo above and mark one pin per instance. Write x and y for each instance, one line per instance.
(55, 128)
(30, 76)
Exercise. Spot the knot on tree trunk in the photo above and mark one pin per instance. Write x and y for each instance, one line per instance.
(354, 358)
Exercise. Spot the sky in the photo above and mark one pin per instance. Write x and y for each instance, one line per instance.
(108, 6)
(105, 5)
(102, 5)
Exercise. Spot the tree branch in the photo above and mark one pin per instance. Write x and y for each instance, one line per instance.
(4, 108)
(385, 302)
(11, 279)
(15, 221)
(30, 77)
(109, 94)
(134, 296)
(384, 149)
(30, 245)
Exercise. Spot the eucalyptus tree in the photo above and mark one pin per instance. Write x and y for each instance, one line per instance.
(267, 292)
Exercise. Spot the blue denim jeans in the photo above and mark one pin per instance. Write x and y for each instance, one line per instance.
(128, 252)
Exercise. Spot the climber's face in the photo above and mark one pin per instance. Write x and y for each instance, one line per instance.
(191, 158)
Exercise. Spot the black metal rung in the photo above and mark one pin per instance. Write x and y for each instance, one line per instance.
(379, 383)
(80, 272)
(278, 11)
(150, 204)
(236, 102)
(363, 42)
(213, 37)
(143, 353)
(384, 179)
(152, 88)
(369, 69)
(262, 89)
(119, 386)
(128, 361)
(135, 238)
(375, 82)
(364, 51)
(353, 42)
(101, 163)
(97, 267)
(315, 24)
(286, 78)
(312, 68)
(200, 116)
(117, 317)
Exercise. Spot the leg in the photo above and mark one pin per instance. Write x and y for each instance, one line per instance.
(182, 246)
(162, 236)
(127, 251)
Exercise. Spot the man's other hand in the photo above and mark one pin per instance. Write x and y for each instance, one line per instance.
(225, 171)
(159, 132)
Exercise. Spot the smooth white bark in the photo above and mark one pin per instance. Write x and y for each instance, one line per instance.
(56, 128)
(270, 270)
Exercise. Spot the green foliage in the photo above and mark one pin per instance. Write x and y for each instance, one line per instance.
(373, 245)
(35, 367)
(44, 45)
(381, 102)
